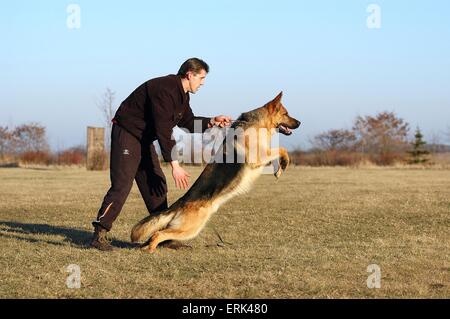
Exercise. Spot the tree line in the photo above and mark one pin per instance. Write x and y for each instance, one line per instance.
(382, 139)
(28, 144)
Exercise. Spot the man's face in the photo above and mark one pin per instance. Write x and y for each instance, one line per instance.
(196, 80)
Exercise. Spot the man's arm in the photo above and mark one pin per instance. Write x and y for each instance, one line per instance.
(187, 121)
(162, 113)
(180, 176)
(206, 122)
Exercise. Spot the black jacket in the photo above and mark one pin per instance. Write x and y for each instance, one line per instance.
(154, 109)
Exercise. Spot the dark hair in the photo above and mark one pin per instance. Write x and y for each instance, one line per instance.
(193, 64)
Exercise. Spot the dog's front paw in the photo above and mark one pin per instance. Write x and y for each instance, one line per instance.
(276, 168)
(277, 174)
(284, 162)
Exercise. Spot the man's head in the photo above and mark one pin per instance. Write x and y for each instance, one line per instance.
(193, 73)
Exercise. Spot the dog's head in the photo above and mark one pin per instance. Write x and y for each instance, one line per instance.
(279, 117)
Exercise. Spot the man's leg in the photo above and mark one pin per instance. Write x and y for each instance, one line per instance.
(125, 158)
(153, 187)
(151, 180)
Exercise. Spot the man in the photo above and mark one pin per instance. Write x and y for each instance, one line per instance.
(148, 114)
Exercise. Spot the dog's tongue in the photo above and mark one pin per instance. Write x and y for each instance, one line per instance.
(286, 129)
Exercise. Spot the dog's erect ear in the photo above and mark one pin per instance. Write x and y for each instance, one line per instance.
(277, 99)
(274, 105)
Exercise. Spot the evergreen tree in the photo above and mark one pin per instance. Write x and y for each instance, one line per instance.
(418, 152)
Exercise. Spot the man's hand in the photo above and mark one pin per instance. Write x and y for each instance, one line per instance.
(220, 121)
(180, 176)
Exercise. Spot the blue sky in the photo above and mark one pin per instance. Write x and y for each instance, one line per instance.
(329, 64)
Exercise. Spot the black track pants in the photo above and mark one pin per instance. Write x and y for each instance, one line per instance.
(131, 159)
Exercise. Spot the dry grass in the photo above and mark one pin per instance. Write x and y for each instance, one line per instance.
(311, 234)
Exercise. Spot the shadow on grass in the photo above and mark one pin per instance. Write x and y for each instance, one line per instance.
(77, 237)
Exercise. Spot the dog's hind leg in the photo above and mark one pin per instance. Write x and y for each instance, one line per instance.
(163, 235)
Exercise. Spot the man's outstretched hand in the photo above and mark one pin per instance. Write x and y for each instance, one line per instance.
(180, 176)
(220, 121)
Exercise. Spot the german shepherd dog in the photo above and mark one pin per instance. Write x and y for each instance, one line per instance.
(220, 181)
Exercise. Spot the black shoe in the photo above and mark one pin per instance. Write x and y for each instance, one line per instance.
(99, 240)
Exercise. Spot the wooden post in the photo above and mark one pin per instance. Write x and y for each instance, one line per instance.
(96, 156)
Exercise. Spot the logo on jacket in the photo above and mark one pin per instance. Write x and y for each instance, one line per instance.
(126, 152)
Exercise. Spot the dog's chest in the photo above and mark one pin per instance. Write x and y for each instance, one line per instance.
(246, 180)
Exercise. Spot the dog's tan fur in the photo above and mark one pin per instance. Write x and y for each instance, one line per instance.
(219, 182)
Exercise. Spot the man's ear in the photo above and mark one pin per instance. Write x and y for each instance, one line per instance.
(274, 105)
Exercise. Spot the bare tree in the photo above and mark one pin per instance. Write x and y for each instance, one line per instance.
(447, 134)
(106, 106)
(383, 133)
(340, 140)
(382, 136)
(30, 137)
(435, 143)
(5, 142)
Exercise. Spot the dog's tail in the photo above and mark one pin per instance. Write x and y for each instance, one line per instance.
(150, 225)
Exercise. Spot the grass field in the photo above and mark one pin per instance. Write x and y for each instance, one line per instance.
(312, 233)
